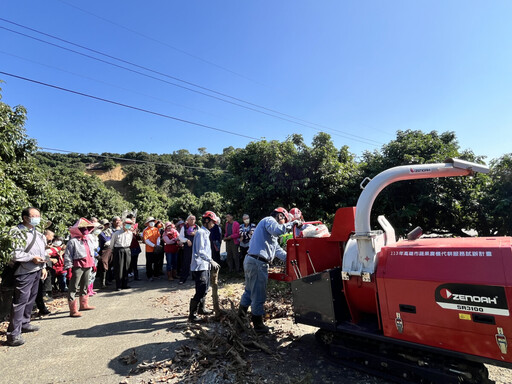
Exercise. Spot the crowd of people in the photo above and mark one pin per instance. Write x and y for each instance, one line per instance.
(98, 253)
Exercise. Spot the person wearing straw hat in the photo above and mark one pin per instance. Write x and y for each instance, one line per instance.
(79, 256)
(120, 244)
(151, 237)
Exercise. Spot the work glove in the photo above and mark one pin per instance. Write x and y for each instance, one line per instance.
(297, 223)
(214, 264)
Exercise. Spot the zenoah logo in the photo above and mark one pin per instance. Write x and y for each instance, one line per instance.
(420, 170)
(473, 298)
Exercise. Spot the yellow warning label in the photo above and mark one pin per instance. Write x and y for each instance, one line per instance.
(464, 316)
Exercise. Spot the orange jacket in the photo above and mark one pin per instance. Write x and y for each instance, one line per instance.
(152, 234)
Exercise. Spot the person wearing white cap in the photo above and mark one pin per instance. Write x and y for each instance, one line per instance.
(151, 237)
(120, 243)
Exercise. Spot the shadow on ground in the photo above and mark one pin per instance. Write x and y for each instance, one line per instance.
(121, 328)
(127, 361)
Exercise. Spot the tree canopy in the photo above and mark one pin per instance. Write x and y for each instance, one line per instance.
(317, 178)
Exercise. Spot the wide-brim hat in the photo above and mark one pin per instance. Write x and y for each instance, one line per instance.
(84, 223)
(150, 218)
(104, 222)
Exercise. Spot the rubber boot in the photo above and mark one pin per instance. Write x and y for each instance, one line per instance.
(84, 303)
(192, 317)
(202, 308)
(169, 276)
(242, 311)
(90, 290)
(73, 310)
(259, 327)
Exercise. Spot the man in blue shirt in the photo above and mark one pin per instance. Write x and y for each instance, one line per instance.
(263, 247)
(200, 266)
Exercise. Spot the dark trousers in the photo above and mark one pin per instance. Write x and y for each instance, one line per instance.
(185, 264)
(40, 296)
(79, 282)
(150, 261)
(25, 292)
(134, 263)
(202, 279)
(122, 259)
(159, 263)
(243, 252)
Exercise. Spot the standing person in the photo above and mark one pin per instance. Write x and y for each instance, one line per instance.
(200, 266)
(79, 256)
(159, 253)
(187, 233)
(151, 237)
(29, 262)
(94, 235)
(231, 235)
(44, 291)
(262, 250)
(105, 253)
(216, 240)
(56, 256)
(246, 231)
(134, 249)
(120, 244)
(179, 224)
(171, 240)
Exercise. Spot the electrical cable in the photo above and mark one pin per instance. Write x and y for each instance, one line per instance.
(136, 160)
(128, 106)
(308, 124)
(161, 42)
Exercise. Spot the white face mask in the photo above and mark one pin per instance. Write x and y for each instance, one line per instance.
(247, 221)
(97, 231)
(57, 243)
(152, 224)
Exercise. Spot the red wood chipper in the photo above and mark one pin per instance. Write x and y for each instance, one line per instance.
(429, 310)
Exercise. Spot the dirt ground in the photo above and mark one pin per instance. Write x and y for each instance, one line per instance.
(224, 351)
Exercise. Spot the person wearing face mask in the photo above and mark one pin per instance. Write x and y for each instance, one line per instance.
(246, 231)
(263, 248)
(231, 235)
(56, 256)
(187, 233)
(95, 238)
(29, 263)
(79, 256)
(120, 244)
(151, 237)
(200, 266)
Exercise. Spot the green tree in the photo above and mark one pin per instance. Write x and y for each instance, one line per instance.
(495, 212)
(442, 205)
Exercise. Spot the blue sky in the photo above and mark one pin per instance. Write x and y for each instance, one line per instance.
(360, 70)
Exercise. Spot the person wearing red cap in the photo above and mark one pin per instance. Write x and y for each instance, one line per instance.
(200, 266)
(120, 243)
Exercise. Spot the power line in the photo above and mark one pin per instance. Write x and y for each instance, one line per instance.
(135, 160)
(161, 42)
(305, 123)
(109, 84)
(128, 106)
